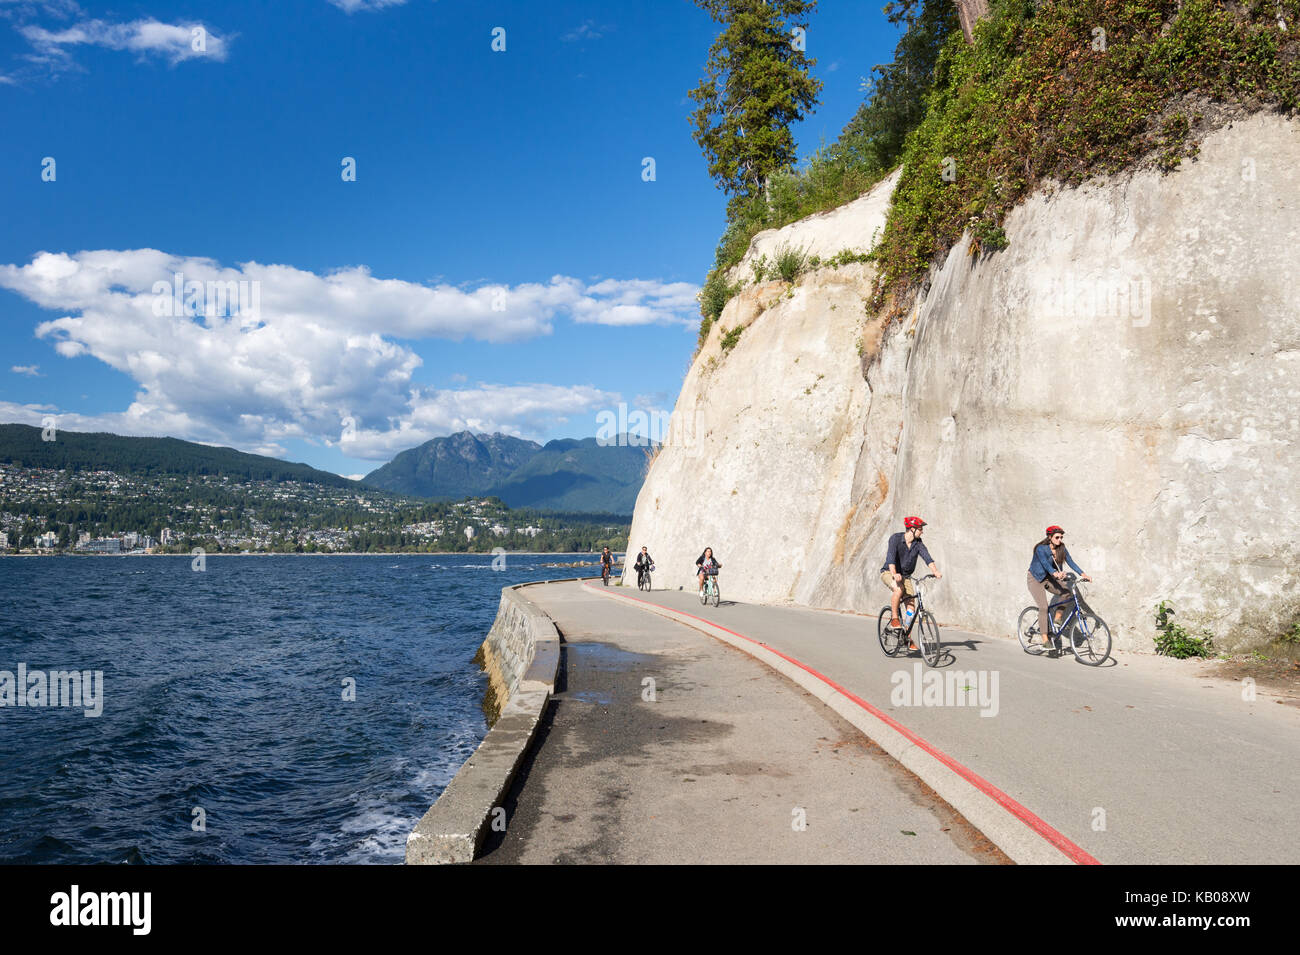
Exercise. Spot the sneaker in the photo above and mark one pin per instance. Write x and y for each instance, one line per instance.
(897, 624)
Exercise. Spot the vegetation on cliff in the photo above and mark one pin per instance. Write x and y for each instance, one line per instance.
(1068, 91)
(1055, 91)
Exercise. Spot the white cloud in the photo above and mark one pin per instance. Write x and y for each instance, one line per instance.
(30, 370)
(289, 354)
(353, 6)
(639, 302)
(171, 42)
(587, 30)
(520, 410)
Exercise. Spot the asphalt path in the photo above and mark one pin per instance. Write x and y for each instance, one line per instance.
(664, 745)
(1143, 760)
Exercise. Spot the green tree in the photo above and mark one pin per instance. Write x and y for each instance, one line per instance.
(756, 83)
(874, 138)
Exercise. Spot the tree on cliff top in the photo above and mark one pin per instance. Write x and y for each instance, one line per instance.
(756, 84)
(875, 137)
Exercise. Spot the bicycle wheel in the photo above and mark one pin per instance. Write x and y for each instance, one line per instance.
(1091, 639)
(888, 635)
(704, 592)
(1029, 622)
(717, 592)
(931, 648)
(647, 581)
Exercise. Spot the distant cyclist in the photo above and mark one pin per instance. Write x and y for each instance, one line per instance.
(904, 548)
(706, 564)
(1047, 572)
(606, 565)
(644, 564)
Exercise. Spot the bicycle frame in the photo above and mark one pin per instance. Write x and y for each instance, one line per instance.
(918, 610)
(1070, 600)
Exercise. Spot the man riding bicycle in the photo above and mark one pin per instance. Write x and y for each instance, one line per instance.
(606, 564)
(903, 550)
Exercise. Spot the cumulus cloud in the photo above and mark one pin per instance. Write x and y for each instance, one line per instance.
(519, 410)
(258, 354)
(638, 302)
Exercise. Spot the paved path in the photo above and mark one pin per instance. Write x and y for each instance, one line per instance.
(1174, 764)
(721, 766)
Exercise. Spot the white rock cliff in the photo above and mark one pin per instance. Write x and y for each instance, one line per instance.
(1129, 368)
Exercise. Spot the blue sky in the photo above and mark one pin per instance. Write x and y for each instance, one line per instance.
(499, 263)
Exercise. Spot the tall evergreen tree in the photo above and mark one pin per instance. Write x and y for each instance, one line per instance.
(756, 83)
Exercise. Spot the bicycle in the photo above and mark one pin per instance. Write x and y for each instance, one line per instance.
(643, 577)
(604, 573)
(1089, 637)
(894, 640)
(710, 591)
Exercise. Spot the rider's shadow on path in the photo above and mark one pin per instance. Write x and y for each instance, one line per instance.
(947, 657)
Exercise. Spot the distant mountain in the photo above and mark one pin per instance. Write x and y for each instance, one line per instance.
(21, 445)
(577, 475)
(454, 467)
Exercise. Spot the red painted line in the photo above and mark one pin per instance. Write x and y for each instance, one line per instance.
(1061, 842)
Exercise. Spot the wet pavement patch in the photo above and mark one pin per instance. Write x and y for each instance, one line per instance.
(592, 655)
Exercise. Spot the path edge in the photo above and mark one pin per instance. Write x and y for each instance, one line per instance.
(454, 827)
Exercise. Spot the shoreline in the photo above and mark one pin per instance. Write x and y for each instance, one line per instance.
(435, 553)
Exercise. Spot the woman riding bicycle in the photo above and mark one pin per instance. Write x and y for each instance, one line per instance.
(707, 565)
(644, 564)
(606, 565)
(1047, 572)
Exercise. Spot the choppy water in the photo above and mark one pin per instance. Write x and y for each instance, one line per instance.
(223, 690)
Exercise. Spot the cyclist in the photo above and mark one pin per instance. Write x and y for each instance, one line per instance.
(606, 565)
(1047, 572)
(644, 564)
(904, 548)
(706, 564)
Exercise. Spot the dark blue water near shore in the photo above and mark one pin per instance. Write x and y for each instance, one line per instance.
(223, 690)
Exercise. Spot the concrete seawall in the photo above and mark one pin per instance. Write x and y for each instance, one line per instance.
(521, 656)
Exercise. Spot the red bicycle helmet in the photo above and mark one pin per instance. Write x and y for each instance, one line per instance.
(911, 522)
(1054, 529)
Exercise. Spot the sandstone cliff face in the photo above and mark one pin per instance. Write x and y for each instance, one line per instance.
(1129, 368)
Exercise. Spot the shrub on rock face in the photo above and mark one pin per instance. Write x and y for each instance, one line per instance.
(715, 295)
(791, 263)
(1174, 640)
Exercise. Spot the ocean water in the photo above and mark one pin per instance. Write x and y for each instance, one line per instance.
(223, 703)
